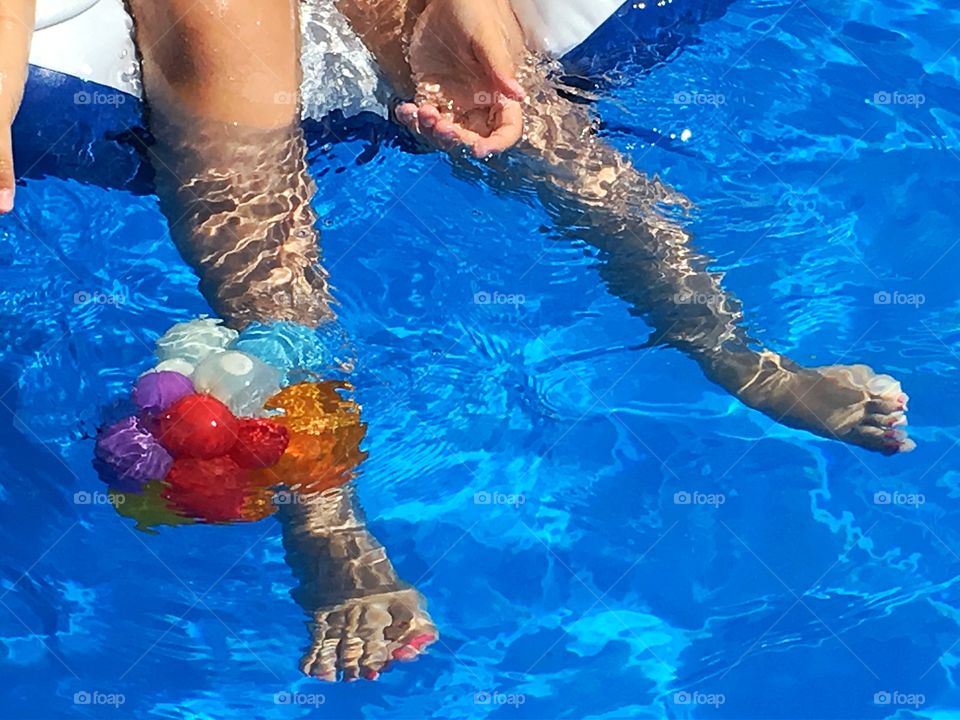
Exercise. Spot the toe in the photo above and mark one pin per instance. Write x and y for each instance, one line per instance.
(320, 660)
(872, 438)
(888, 405)
(887, 440)
(350, 647)
(882, 420)
(410, 648)
(883, 385)
(375, 655)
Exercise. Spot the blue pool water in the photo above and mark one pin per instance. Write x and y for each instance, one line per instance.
(818, 182)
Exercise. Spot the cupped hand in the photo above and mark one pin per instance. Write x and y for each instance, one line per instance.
(464, 54)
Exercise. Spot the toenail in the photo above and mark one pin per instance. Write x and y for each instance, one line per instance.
(404, 653)
(371, 675)
(420, 640)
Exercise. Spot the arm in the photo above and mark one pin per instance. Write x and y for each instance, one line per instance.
(16, 30)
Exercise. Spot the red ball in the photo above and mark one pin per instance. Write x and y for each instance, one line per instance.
(212, 490)
(260, 443)
(197, 426)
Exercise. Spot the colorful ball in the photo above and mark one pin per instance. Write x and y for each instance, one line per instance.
(156, 391)
(314, 407)
(286, 345)
(173, 365)
(129, 456)
(260, 443)
(197, 426)
(209, 489)
(193, 341)
(241, 381)
(149, 509)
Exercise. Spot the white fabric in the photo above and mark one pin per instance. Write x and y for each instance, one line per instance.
(557, 26)
(93, 40)
(51, 12)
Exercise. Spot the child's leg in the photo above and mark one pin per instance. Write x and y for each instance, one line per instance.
(362, 615)
(596, 194)
(233, 183)
(231, 174)
(648, 261)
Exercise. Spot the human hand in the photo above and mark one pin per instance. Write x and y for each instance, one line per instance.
(16, 29)
(463, 54)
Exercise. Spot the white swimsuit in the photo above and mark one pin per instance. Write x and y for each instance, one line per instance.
(339, 73)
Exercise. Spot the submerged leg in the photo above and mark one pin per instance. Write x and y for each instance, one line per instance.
(362, 615)
(232, 180)
(595, 194)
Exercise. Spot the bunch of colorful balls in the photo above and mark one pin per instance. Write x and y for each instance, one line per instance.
(219, 427)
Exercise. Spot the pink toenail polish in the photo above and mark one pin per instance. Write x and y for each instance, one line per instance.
(420, 640)
(404, 653)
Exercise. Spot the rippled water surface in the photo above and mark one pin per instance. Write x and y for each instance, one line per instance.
(820, 143)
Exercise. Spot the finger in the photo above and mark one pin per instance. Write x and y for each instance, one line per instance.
(507, 133)
(407, 115)
(493, 54)
(7, 187)
(429, 116)
(452, 135)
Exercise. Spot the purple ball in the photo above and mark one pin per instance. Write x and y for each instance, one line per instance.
(156, 391)
(130, 455)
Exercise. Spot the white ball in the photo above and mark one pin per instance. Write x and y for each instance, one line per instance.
(193, 341)
(240, 381)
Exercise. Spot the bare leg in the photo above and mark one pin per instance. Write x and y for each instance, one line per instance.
(648, 261)
(363, 616)
(596, 194)
(233, 183)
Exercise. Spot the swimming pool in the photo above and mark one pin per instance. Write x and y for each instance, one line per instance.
(599, 532)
